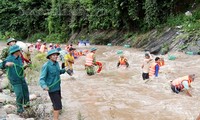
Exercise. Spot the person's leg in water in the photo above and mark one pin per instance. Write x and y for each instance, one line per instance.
(90, 70)
(63, 65)
(127, 64)
(145, 76)
(118, 64)
(174, 89)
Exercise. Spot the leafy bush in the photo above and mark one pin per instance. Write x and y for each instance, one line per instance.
(175, 20)
(36, 36)
(55, 38)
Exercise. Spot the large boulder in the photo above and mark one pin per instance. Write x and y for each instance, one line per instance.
(198, 43)
(6, 98)
(4, 82)
(3, 114)
(32, 96)
(45, 108)
(13, 117)
(193, 48)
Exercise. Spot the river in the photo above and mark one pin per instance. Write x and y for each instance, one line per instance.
(121, 94)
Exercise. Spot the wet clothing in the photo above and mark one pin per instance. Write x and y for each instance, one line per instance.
(145, 68)
(90, 62)
(90, 70)
(126, 63)
(50, 76)
(145, 76)
(4, 53)
(56, 99)
(69, 64)
(122, 61)
(146, 65)
(90, 59)
(181, 83)
(154, 70)
(17, 80)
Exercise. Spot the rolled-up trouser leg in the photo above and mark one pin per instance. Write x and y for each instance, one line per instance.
(19, 97)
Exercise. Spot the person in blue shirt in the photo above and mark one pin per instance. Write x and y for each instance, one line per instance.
(157, 67)
(15, 71)
(50, 80)
(154, 69)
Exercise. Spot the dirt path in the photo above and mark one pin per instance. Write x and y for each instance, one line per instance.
(121, 94)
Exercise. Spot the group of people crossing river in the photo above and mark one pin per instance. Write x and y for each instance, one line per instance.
(14, 58)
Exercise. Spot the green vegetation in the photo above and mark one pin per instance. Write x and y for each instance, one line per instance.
(57, 20)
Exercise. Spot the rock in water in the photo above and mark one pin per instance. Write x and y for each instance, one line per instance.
(3, 114)
(33, 97)
(4, 82)
(9, 108)
(13, 117)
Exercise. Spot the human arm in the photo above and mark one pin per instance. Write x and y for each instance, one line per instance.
(42, 80)
(186, 86)
(188, 93)
(70, 61)
(62, 71)
(7, 62)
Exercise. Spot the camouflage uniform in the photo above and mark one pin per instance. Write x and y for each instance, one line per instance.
(4, 53)
(3, 56)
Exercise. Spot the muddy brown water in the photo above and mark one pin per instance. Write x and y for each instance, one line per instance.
(121, 94)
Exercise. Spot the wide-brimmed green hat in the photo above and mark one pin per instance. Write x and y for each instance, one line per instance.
(11, 40)
(53, 51)
(14, 49)
(93, 49)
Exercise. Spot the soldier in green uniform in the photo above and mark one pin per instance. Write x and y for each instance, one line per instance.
(15, 70)
(50, 81)
(5, 51)
(4, 54)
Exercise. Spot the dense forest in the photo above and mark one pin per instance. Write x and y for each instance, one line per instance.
(59, 19)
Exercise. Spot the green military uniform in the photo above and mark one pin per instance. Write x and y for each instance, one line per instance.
(4, 53)
(50, 78)
(17, 79)
(50, 74)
